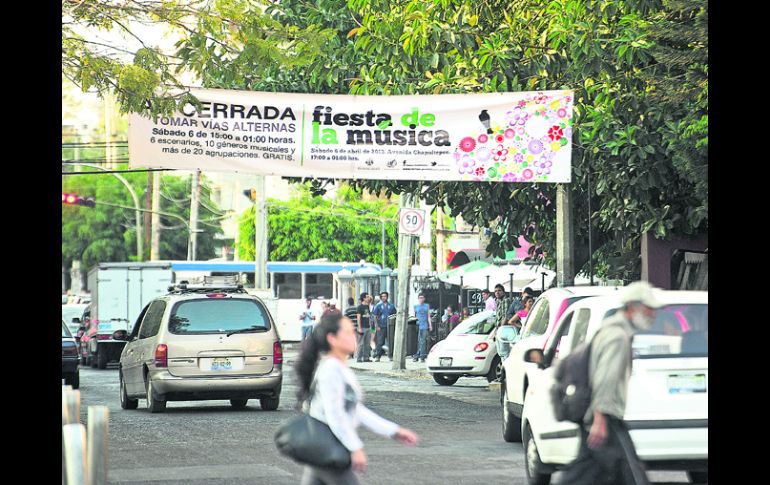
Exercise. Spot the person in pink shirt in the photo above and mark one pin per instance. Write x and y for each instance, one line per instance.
(520, 315)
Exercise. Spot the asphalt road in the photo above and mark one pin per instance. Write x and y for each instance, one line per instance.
(207, 442)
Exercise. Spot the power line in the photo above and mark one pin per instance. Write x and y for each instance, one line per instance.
(120, 171)
(93, 143)
(97, 160)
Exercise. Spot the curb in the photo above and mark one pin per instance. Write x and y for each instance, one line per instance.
(406, 373)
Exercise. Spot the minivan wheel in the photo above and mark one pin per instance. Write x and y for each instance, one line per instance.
(445, 380)
(534, 467)
(511, 424)
(238, 403)
(269, 403)
(125, 401)
(154, 405)
(698, 477)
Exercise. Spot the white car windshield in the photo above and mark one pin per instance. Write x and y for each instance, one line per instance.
(481, 323)
(65, 332)
(68, 312)
(678, 331)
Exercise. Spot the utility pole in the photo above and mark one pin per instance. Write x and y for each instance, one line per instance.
(383, 244)
(193, 241)
(109, 128)
(405, 242)
(565, 249)
(155, 239)
(148, 215)
(260, 243)
(425, 239)
(440, 258)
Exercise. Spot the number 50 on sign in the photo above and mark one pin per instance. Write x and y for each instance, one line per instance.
(411, 221)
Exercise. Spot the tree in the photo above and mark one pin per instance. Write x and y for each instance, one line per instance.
(106, 233)
(645, 153)
(342, 229)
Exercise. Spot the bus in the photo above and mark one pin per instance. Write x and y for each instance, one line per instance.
(290, 282)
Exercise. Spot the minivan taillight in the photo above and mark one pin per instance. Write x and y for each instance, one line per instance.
(277, 353)
(161, 356)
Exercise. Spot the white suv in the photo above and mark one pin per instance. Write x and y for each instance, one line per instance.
(667, 402)
(536, 331)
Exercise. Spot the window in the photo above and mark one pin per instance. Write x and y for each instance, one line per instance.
(537, 323)
(217, 316)
(138, 323)
(479, 324)
(581, 326)
(288, 286)
(678, 331)
(151, 322)
(318, 284)
(559, 343)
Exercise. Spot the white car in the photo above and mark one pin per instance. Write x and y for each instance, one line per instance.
(535, 332)
(468, 350)
(667, 402)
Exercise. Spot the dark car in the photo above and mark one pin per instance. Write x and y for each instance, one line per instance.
(69, 358)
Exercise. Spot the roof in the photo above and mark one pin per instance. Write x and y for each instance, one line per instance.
(668, 297)
(272, 267)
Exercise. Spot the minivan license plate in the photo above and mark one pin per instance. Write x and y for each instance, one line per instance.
(221, 364)
(686, 383)
(446, 362)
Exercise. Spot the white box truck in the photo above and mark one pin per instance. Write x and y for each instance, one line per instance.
(119, 292)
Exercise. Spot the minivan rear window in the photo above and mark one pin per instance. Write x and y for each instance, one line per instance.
(678, 331)
(217, 316)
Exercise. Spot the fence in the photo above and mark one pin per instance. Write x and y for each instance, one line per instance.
(84, 450)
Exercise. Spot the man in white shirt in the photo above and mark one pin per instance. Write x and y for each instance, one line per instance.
(307, 318)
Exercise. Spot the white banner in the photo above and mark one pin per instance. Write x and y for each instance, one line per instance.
(495, 137)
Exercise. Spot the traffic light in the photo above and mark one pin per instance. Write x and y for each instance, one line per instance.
(250, 193)
(72, 199)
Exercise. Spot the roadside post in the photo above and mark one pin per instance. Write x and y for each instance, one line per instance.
(411, 224)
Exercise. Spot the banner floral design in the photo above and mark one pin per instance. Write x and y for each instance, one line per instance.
(520, 148)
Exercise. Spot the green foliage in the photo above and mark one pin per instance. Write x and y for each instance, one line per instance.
(639, 70)
(105, 233)
(306, 227)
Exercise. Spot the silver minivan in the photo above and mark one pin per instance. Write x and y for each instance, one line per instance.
(204, 342)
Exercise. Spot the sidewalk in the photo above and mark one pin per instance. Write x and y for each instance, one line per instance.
(414, 370)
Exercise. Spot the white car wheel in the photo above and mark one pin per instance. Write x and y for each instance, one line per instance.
(511, 424)
(535, 475)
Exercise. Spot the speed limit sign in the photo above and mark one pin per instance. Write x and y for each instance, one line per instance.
(411, 221)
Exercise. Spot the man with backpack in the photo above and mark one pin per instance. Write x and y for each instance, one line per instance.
(607, 454)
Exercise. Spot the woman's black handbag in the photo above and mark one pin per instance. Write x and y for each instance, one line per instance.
(311, 442)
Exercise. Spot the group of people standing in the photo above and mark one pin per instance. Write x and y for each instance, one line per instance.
(368, 319)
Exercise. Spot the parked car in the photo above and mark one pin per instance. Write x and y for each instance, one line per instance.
(469, 350)
(535, 332)
(202, 343)
(667, 401)
(70, 371)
